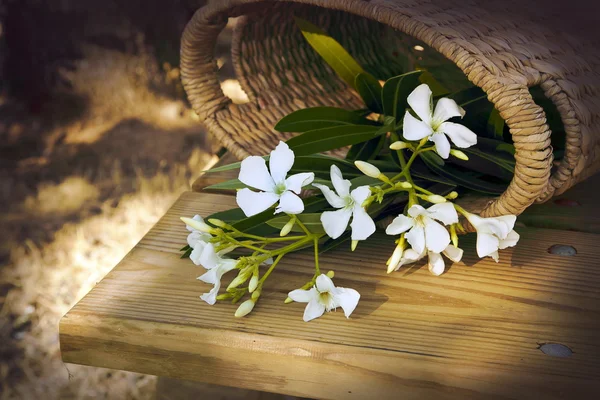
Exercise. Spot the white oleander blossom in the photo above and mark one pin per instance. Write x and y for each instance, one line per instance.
(494, 234)
(424, 232)
(434, 123)
(195, 235)
(217, 266)
(325, 296)
(349, 205)
(435, 261)
(272, 182)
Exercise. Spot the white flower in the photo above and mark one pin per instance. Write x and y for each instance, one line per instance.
(423, 231)
(435, 263)
(493, 234)
(349, 204)
(324, 296)
(217, 267)
(434, 125)
(195, 235)
(274, 185)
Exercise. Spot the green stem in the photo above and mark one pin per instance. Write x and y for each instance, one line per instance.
(300, 224)
(317, 270)
(271, 268)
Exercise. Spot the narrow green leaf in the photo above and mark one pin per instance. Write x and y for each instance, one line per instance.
(308, 119)
(366, 150)
(187, 253)
(369, 90)
(395, 94)
(230, 216)
(232, 184)
(185, 248)
(464, 179)
(495, 126)
(312, 222)
(320, 140)
(500, 161)
(436, 87)
(320, 164)
(507, 148)
(332, 52)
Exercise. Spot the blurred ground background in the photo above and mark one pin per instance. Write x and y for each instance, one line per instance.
(96, 141)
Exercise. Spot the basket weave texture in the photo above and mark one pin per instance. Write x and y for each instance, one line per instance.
(504, 47)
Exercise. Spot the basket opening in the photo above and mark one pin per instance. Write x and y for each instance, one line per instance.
(554, 120)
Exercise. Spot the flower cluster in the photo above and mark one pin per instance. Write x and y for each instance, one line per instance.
(427, 228)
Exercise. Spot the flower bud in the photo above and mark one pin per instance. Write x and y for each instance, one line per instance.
(197, 225)
(288, 300)
(238, 280)
(452, 195)
(435, 199)
(218, 222)
(399, 145)
(459, 154)
(253, 283)
(354, 244)
(287, 227)
(244, 308)
(395, 258)
(453, 235)
(256, 294)
(404, 185)
(330, 274)
(224, 296)
(368, 169)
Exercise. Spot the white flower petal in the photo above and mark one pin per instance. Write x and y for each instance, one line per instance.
(453, 253)
(324, 284)
(209, 258)
(254, 173)
(362, 224)
(253, 203)
(297, 181)
(511, 240)
(280, 162)
(487, 244)
(495, 256)
(416, 210)
(360, 194)
(196, 254)
(445, 109)
(333, 199)
(195, 218)
(303, 296)
(416, 238)
(196, 237)
(400, 224)
(442, 145)
(226, 265)
(341, 185)
(436, 263)
(211, 297)
(460, 135)
(444, 212)
(413, 129)
(336, 222)
(420, 101)
(509, 223)
(347, 299)
(210, 276)
(290, 203)
(437, 237)
(314, 309)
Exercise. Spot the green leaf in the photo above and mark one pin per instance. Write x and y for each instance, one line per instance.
(500, 161)
(366, 150)
(232, 184)
(395, 93)
(369, 90)
(320, 164)
(187, 253)
(332, 52)
(436, 87)
(320, 140)
(185, 248)
(312, 222)
(308, 119)
(230, 216)
(495, 126)
(464, 179)
(506, 147)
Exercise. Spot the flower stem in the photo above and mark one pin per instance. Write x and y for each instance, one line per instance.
(317, 270)
(271, 268)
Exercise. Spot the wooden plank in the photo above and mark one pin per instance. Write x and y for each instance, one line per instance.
(576, 210)
(472, 333)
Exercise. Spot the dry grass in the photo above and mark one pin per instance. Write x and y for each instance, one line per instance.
(47, 281)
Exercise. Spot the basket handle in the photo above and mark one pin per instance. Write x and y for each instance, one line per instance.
(198, 64)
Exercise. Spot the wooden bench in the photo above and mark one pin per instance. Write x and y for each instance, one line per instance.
(475, 332)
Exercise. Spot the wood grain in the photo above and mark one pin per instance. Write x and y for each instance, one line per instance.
(474, 332)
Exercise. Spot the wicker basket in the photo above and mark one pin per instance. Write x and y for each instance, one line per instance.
(504, 47)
